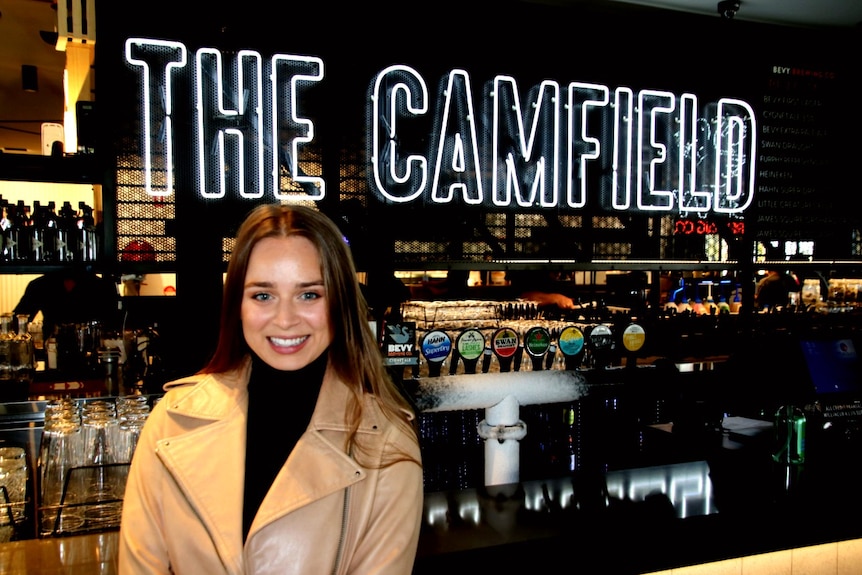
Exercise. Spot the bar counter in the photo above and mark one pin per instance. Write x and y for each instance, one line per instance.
(736, 502)
(606, 480)
(633, 521)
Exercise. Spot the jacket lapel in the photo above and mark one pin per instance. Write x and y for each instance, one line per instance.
(318, 466)
(212, 484)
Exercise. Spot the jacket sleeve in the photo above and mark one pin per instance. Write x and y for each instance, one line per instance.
(142, 548)
(388, 546)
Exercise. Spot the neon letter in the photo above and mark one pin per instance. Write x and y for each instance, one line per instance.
(158, 60)
(457, 137)
(290, 130)
(532, 161)
(399, 92)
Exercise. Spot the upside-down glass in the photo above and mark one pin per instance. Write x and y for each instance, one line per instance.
(60, 451)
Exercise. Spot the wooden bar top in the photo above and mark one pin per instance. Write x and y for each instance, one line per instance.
(77, 555)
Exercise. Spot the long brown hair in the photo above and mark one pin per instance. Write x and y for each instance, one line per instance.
(354, 354)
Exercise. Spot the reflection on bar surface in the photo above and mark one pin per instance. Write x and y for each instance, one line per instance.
(501, 509)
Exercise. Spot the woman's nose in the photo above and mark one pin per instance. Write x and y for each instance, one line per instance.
(285, 314)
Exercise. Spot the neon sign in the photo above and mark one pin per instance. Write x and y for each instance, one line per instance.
(660, 154)
(240, 128)
(702, 227)
(648, 151)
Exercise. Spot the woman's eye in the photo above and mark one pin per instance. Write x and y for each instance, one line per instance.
(310, 295)
(261, 296)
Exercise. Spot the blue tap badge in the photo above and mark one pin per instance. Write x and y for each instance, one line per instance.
(436, 346)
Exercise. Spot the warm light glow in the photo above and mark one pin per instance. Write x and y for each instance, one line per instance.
(77, 82)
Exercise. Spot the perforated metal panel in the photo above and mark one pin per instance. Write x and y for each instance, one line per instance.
(142, 218)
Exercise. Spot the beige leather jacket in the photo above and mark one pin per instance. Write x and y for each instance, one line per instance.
(324, 514)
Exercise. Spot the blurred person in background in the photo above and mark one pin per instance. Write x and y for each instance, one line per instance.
(72, 295)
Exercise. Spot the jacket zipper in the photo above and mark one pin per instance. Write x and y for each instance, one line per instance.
(343, 536)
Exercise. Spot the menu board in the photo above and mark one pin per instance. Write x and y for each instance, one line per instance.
(804, 167)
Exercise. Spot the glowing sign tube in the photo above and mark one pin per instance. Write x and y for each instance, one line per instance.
(654, 109)
(691, 152)
(398, 91)
(736, 135)
(289, 74)
(582, 99)
(157, 61)
(235, 119)
(231, 121)
(458, 134)
(537, 153)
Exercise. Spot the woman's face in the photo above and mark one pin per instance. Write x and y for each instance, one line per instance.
(285, 315)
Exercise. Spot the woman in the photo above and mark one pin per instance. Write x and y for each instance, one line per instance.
(291, 451)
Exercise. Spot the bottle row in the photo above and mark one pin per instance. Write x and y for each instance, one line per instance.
(44, 235)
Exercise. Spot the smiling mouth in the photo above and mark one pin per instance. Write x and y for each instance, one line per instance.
(287, 342)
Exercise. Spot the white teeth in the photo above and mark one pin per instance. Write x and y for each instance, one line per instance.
(287, 342)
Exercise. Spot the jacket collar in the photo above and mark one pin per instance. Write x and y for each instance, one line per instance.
(217, 394)
(317, 467)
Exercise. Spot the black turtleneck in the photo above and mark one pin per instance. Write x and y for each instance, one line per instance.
(280, 404)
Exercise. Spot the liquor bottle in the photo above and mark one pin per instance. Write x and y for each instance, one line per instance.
(6, 337)
(23, 223)
(711, 306)
(87, 238)
(39, 249)
(23, 353)
(16, 241)
(790, 423)
(67, 238)
(736, 302)
(51, 352)
(52, 225)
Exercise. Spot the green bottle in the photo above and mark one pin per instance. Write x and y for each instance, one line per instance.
(790, 425)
